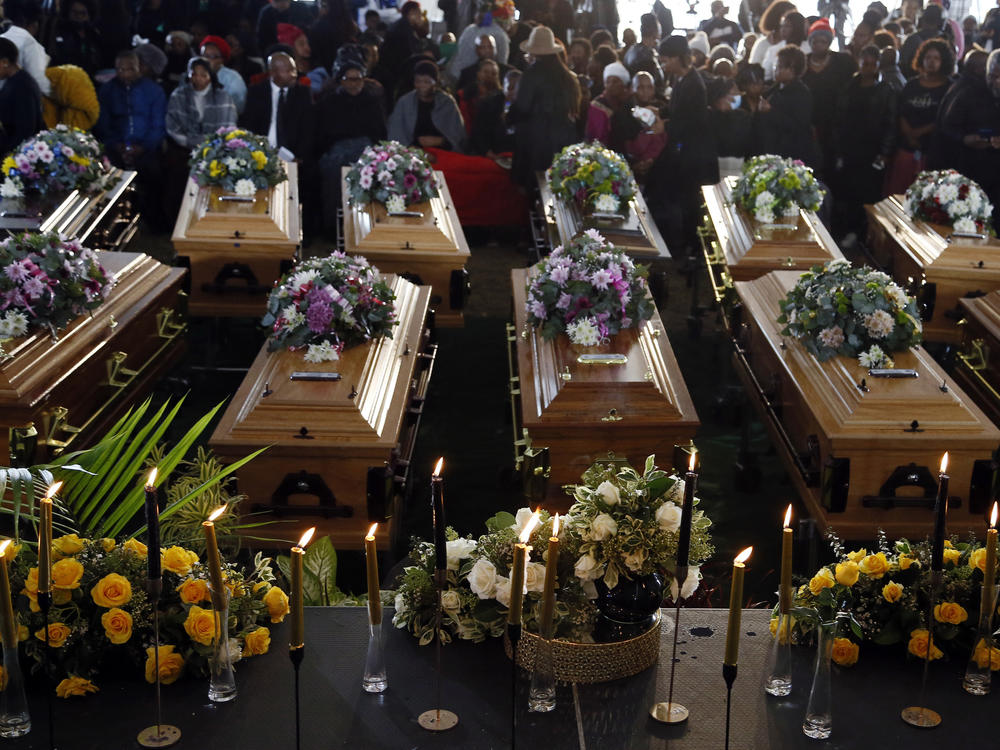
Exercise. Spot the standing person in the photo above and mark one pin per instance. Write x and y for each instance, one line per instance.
(77, 40)
(770, 28)
(426, 116)
(545, 110)
(793, 30)
(720, 29)
(609, 118)
(968, 90)
(643, 56)
(20, 100)
(827, 73)
(930, 26)
(786, 114)
(25, 17)
(280, 11)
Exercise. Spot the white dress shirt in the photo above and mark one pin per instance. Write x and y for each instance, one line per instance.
(272, 131)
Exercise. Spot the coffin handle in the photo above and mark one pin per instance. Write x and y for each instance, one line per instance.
(910, 475)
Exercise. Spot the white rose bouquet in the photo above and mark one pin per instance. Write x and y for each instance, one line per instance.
(947, 197)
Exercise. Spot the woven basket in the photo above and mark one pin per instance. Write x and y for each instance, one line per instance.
(586, 663)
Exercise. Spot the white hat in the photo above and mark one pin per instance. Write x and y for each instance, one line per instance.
(616, 70)
(699, 42)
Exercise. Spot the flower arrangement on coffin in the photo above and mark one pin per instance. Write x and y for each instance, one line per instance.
(101, 614)
(947, 197)
(237, 161)
(773, 186)
(884, 594)
(392, 174)
(592, 175)
(327, 304)
(55, 161)
(854, 312)
(46, 282)
(589, 290)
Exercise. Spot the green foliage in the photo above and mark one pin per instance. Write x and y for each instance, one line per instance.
(319, 576)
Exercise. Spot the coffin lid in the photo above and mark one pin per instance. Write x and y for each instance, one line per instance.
(947, 418)
(933, 248)
(647, 390)
(370, 231)
(986, 311)
(272, 217)
(379, 371)
(748, 244)
(37, 364)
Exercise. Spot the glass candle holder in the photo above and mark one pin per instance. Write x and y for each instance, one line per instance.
(14, 718)
(375, 679)
(778, 674)
(542, 693)
(818, 722)
(222, 680)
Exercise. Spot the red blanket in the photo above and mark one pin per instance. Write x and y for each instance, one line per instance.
(483, 192)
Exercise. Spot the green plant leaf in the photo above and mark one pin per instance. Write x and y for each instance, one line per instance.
(320, 572)
(502, 520)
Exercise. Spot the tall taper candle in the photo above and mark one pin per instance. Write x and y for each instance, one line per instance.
(785, 590)
(990, 567)
(551, 574)
(940, 517)
(517, 572)
(687, 510)
(153, 561)
(437, 510)
(213, 560)
(371, 561)
(45, 539)
(8, 629)
(296, 638)
(735, 609)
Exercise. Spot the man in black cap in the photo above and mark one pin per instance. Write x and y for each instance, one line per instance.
(720, 29)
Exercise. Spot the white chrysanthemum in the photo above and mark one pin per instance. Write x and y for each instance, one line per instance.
(17, 323)
(301, 278)
(323, 352)
(947, 193)
(11, 189)
(606, 203)
(958, 208)
(764, 216)
(790, 210)
(966, 225)
(879, 324)
(395, 204)
(245, 187)
(836, 265)
(896, 295)
(832, 337)
(584, 332)
(765, 198)
(874, 357)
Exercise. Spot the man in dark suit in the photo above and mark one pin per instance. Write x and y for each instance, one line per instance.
(281, 109)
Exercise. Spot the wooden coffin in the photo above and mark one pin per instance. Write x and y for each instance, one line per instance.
(339, 449)
(236, 250)
(977, 363)
(581, 411)
(636, 233)
(57, 393)
(103, 220)
(932, 264)
(864, 455)
(428, 249)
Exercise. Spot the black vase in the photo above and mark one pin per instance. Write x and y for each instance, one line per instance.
(629, 609)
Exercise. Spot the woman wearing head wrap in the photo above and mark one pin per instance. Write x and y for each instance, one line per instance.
(72, 99)
(427, 117)
(827, 73)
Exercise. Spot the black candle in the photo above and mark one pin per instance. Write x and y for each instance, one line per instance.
(940, 517)
(437, 509)
(153, 570)
(687, 509)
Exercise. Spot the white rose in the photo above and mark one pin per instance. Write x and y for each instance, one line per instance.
(483, 579)
(586, 568)
(502, 590)
(534, 576)
(458, 550)
(690, 583)
(634, 560)
(668, 516)
(399, 603)
(602, 527)
(521, 519)
(450, 600)
(608, 493)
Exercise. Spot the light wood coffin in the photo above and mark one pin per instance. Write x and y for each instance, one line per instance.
(236, 250)
(57, 393)
(582, 411)
(977, 365)
(865, 455)
(930, 263)
(325, 436)
(102, 220)
(428, 249)
(637, 234)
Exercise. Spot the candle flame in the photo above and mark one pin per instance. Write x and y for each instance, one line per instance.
(308, 535)
(528, 528)
(151, 482)
(3, 547)
(371, 531)
(691, 461)
(52, 490)
(944, 462)
(438, 466)
(993, 516)
(744, 555)
(218, 512)
(555, 523)
(788, 516)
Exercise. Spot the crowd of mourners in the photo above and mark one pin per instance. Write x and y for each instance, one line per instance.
(514, 82)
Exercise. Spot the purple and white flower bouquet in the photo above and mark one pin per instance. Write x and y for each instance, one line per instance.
(237, 161)
(392, 174)
(55, 161)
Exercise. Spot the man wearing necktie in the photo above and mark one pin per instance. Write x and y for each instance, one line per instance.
(282, 110)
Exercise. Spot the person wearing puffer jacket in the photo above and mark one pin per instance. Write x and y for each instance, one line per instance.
(72, 100)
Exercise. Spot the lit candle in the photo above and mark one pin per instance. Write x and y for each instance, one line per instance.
(45, 540)
(551, 573)
(297, 637)
(735, 609)
(940, 517)
(153, 562)
(517, 571)
(371, 559)
(8, 629)
(990, 568)
(687, 509)
(785, 591)
(214, 562)
(437, 511)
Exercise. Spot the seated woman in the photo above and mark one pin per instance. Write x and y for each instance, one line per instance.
(473, 98)
(427, 117)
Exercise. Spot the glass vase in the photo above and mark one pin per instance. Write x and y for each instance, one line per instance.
(222, 681)
(375, 679)
(979, 672)
(14, 718)
(818, 722)
(542, 693)
(778, 675)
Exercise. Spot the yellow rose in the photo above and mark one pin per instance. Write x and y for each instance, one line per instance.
(950, 612)
(784, 630)
(905, 561)
(200, 625)
(136, 547)
(66, 574)
(179, 560)
(986, 656)
(73, 685)
(58, 633)
(822, 580)
(193, 591)
(260, 159)
(952, 555)
(918, 645)
(117, 625)
(11, 552)
(257, 642)
(845, 652)
(171, 665)
(65, 546)
(977, 559)
(892, 592)
(847, 573)
(948, 544)
(30, 589)
(108, 544)
(260, 585)
(277, 603)
(874, 566)
(113, 590)
(858, 555)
